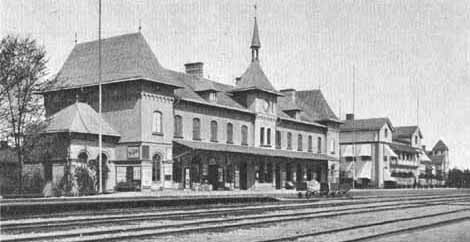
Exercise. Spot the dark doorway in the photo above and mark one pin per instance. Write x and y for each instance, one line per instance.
(213, 176)
(278, 176)
(48, 171)
(243, 176)
(299, 174)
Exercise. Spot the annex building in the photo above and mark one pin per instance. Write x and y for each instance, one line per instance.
(164, 129)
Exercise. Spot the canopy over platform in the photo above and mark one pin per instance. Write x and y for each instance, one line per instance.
(252, 150)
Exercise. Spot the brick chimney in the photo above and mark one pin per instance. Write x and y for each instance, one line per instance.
(350, 116)
(195, 68)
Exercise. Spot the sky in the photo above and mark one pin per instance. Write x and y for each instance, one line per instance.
(410, 59)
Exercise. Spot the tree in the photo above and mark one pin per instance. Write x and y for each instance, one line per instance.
(22, 72)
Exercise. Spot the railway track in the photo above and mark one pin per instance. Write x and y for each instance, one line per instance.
(190, 208)
(127, 232)
(183, 214)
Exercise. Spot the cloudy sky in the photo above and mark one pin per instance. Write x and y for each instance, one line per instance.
(401, 50)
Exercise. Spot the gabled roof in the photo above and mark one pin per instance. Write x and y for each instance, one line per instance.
(79, 118)
(440, 145)
(406, 132)
(371, 124)
(254, 79)
(124, 57)
(315, 105)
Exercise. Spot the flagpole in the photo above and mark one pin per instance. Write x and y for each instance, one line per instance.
(100, 135)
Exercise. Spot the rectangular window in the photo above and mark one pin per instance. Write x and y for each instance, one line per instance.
(310, 144)
(319, 145)
(299, 142)
(289, 140)
(333, 146)
(157, 122)
(261, 136)
(214, 131)
(244, 133)
(178, 126)
(278, 139)
(268, 136)
(196, 129)
(229, 133)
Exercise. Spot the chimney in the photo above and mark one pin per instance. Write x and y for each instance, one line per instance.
(194, 68)
(237, 80)
(424, 147)
(350, 116)
(289, 93)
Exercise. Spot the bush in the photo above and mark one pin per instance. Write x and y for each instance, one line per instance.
(85, 183)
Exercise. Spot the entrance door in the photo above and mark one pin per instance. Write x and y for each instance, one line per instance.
(243, 176)
(278, 176)
(213, 176)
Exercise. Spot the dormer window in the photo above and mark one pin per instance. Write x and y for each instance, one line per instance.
(212, 96)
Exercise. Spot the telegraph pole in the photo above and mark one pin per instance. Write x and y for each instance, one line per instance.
(354, 126)
(100, 133)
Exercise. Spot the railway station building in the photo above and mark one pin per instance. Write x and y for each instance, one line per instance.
(164, 129)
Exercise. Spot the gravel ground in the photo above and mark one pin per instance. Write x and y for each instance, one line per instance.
(450, 233)
(306, 226)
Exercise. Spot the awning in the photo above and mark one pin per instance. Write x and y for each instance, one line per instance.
(389, 152)
(424, 157)
(361, 150)
(252, 150)
(388, 176)
(363, 169)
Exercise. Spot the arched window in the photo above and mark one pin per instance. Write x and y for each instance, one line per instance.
(229, 133)
(268, 136)
(83, 158)
(196, 129)
(289, 140)
(214, 131)
(156, 162)
(310, 143)
(244, 133)
(157, 122)
(178, 127)
(319, 145)
(299, 142)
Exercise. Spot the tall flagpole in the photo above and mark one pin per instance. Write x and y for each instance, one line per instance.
(100, 135)
(354, 131)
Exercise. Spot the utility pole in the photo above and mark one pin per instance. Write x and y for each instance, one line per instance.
(354, 128)
(100, 133)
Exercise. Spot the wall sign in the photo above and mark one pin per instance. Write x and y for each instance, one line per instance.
(133, 152)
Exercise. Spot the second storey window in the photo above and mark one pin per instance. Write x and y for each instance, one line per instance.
(213, 131)
(261, 136)
(196, 129)
(157, 122)
(289, 140)
(244, 133)
(268, 136)
(278, 139)
(178, 126)
(310, 143)
(229, 133)
(319, 145)
(299, 142)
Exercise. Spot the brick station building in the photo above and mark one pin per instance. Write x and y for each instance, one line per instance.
(164, 129)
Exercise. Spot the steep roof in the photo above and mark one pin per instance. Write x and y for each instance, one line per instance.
(314, 104)
(124, 57)
(255, 42)
(440, 145)
(79, 118)
(254, 79)
(370, 124)
(405, 132)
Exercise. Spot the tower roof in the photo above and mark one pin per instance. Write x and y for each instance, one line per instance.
(255, 42)
(255, 79)
(440, 145)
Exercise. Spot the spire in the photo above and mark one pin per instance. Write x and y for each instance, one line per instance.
(255, 43)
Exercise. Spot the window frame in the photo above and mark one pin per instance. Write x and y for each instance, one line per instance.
(244, 135)
(289, 140)
(268, 136)
(319, 145)
(178, 132)
(229, 133)
(261, 136)
(300, 140)
(278, 139)
(196, 130)
(157, 130)
(214, 126)
(310, 143)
